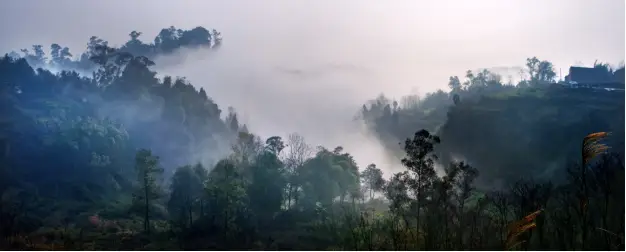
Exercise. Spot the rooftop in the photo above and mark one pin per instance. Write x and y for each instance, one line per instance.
(588, 74)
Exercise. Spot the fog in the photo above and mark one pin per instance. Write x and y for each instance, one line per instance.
(307, 67)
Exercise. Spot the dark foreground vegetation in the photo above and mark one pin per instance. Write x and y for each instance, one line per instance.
(123, 160)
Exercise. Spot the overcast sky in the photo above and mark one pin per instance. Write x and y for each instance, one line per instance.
(344, 52)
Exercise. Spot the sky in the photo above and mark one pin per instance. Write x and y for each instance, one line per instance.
(307, 66)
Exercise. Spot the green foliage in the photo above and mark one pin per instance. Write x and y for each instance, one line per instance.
(329, 175)
(544, 120)
(227, 196)
(372, 179)
(267, 186)
(147, 167)
(187, 194)
(70, 178)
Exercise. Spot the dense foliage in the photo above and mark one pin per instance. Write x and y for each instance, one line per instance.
(498, 126)
(124, 160)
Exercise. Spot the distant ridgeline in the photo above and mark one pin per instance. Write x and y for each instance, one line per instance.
(89, 127)
(532, 129)
(167, 41)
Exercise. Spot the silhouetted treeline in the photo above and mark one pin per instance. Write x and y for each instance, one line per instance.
(167, 41)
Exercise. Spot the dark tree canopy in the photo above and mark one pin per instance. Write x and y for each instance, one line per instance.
(125, 160)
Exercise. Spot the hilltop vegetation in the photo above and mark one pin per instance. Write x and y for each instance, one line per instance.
(166, 42)
(123, 160)
(497, 127)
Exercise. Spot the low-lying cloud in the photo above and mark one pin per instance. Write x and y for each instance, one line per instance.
(316, 100)
(306, 67)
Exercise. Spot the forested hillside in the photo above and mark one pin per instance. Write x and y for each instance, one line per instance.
(123, 160)
(497, 127)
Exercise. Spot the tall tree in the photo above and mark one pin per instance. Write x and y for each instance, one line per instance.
(464, 184)
(420, 161)
(226, 194)
(147, 168)
(297, 152)
(245, 149)
(532, 66)
(454, 83)
(267, 186)
(203, 176)
(186, 189)
(373, 180)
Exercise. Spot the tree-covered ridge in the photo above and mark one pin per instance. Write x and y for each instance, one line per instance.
(70, 141)
(95, 120)
(167, 41)
(496, 126)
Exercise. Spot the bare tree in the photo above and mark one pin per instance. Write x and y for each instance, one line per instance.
(297, 151)
(501, 206)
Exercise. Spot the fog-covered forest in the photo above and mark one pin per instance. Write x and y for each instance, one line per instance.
(98, 153)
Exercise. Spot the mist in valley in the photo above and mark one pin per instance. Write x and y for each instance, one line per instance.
(312, 125)
(307, 67)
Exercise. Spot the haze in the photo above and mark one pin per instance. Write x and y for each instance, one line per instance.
(307, 66)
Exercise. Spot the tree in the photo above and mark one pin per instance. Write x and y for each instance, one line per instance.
(545, 72)
(38, 56)
(348, 172)
(540, 71)
(275, 145)
(147, 168)
(445, 189)
(532, 65)
(373, 180)
(607, 70)
(55, 52)
(465, 186)
(226, 194)
(61, 56)
(217, 38)
(456, 99)
(454, 83)
(320, 178)
(501, 204)
(231, 120)
(246, 148)
(203, 94)
(469, 75)
(420, 162)
(134, 35)
(203, 176)
(480, 81)
(297, 152)
(267, 186)
(396, 190)
(494, 80)
(135, 80)
(186, 189)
